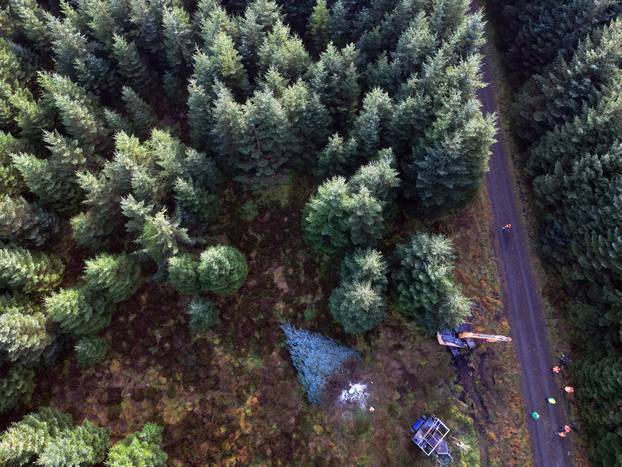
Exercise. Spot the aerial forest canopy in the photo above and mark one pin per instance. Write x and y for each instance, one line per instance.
(123, 123)
(566, 60)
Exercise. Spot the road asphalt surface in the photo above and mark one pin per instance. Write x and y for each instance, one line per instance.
(522, 303)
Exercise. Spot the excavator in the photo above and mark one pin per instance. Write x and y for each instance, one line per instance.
(463, 337)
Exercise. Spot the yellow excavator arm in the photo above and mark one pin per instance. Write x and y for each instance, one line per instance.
(484, 337)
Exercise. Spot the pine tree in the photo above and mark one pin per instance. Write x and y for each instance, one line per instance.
(203, 315)
(222, 270)
(16, 386)
(29, 272)
(183, 273)
(229, 127)
(335, 78)
(26, 439)
(76, 312)
(91, 350)
(86, 444)
(316, 358)
(140, 448)
(115, 278)
(259, 18)
(25, 224)
(23, 337)
(424, 285)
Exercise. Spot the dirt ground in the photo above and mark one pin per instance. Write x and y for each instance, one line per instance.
(231, 397)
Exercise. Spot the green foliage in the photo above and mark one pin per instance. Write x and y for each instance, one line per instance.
(91, 350)
(131, 65)
(114, 278)
(358, 302)
(183, 273)
(25, 224)
(16, 386)
(86, 444)
(26, 439)
(203, 315)
(424, 286)
(318, 30)
(142, 116)
(29, 272)
(284, 52)
(76, 312)
(142, 448)
(23, 334)
(342, 215)
(222, 270)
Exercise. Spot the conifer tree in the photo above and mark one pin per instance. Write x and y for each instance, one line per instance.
(140, 448)
(86, 444)
(24, 440)
(284, 52)
(318, 28)
(183, 273)
(142, 115)
(160, 237)
(29, 272)
(11, 182)
(32, 21)
(339, 157)
(259, 18)
(424, 285)
(90, 350)
(77, 312)
(335, 78)
(373, 123)
(132, 66)
(222, 270)
(203, 315)
(316, 358)
(115, 278)
(23, 337)
(25, 224)
(16, 386)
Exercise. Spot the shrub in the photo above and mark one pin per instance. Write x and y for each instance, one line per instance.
(142, 448)
(424, 283)
(316, 358)
(222, 270)
(203, 315)
(91, 350)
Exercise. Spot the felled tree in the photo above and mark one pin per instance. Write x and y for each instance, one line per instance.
(343, 215)
(358, 303)
(24, 440)
(115, 278)
(25, 224)
(31, 273)
(86, 444)
(23, 335)
(140, 448)
(203, 315)
(424, 286)
(222, 270)
(90, 350)
(76, 312)
(316, 358)
(16, 386)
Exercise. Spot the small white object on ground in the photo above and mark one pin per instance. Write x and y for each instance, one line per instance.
(355, 394)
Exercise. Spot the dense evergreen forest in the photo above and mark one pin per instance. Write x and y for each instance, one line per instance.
(565, 61)
(131, 131)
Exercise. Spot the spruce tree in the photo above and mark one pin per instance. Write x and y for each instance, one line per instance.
(115, 278)
(140, 448)
(132, 66)
(16, 386)
(318, 28)
(76, 312)
(372, 125)
(90, 350)
(86, 444)
(222, 270)
(203, 315)
(424, 286)
(339, 157)
(316, 359)
(183, 273)
(25, 439)
(283, 51)
(23, 337)
(29, 272)
(142, 115)
(25, 224)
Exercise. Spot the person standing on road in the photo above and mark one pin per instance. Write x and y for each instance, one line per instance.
(551, 400)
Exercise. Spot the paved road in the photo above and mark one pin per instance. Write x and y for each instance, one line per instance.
(523, 303)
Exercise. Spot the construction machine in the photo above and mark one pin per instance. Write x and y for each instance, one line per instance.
(463, 337)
